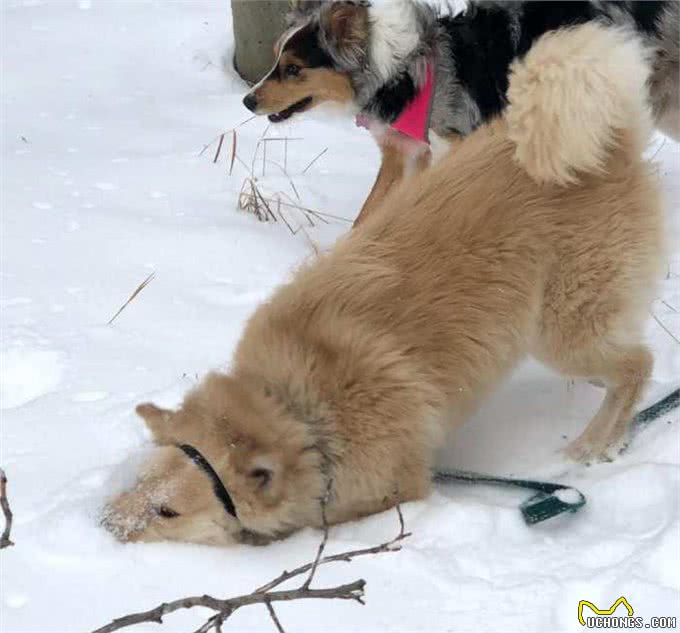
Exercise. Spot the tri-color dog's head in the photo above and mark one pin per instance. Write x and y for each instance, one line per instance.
(314, 61)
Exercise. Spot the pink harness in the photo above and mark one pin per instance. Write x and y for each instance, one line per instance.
(414, 121)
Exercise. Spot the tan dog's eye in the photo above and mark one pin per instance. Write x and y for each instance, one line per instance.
(291, 70)
(166, 513)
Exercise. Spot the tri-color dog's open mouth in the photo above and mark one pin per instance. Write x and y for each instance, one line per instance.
(277, 117)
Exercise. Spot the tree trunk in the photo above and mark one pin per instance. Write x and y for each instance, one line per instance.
(257, 24)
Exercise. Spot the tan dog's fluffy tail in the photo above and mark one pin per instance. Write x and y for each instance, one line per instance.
(573, 97)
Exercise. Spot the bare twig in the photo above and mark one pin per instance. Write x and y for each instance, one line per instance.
(4, 502)
(402, 526)
(215, 622)
(264, 595)
(324, 540)
(141, 287)
(272, 613)
(350, 591)
(389, 546)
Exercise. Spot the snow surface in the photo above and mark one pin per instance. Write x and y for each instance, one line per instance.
(105, 106)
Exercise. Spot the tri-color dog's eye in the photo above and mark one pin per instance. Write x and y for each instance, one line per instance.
(292, 70)
(166, 513)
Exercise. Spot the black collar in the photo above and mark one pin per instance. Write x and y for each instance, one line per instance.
(220, 491)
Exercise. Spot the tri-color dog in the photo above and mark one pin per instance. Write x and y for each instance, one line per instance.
(540, 234)
(413, 75)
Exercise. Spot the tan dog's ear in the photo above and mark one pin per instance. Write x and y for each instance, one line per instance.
(264, 471)
(265, 475)
(158, 420)
(344, 25)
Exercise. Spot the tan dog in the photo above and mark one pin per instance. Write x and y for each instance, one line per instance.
(353, 372)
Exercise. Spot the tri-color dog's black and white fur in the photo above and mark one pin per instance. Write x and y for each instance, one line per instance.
(375, 57)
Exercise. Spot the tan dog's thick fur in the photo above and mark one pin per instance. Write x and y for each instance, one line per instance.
(354, 371)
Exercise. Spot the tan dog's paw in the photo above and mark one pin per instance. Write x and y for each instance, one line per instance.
(586, 452)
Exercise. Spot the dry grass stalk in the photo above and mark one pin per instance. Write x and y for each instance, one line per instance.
(279, 206)
(252, 200)
(141, 287)
(664, 327)
(219, 148)
(319, 155)
(233, 152)
(313, 245)
(222, 135)
(270, 139)
(658, 149)
(668, 305)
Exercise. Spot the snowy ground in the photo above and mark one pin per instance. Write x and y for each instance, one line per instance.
(105, 106)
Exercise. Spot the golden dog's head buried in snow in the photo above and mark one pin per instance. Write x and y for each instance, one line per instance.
(217, 443)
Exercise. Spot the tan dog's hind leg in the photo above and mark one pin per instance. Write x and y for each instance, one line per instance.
(624, 371)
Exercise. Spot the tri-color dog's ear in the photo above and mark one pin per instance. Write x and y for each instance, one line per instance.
(344, 25)
(158, 421)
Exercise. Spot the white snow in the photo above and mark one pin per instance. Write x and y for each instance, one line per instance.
(568, 495)
(105, 107)
(27, 373)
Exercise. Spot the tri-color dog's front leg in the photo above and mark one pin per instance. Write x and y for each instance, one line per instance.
(390, 173)
(401, 158)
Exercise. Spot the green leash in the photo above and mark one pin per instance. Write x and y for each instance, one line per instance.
(552, 499)
(642, 419)
(541, 506)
